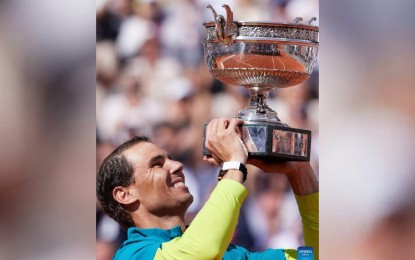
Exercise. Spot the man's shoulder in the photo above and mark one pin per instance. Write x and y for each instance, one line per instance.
(143, 243)
(138, 249)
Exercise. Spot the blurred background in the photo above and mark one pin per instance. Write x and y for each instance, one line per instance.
(152, 80)
(76, 77)
(47, 115)
(367, 126)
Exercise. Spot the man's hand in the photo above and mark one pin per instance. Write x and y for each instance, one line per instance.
(223, 141)
(300, 174)
(272, 166)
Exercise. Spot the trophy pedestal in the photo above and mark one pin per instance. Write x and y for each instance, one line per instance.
(273, 141)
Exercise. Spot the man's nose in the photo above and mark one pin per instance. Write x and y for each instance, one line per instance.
(175, 166)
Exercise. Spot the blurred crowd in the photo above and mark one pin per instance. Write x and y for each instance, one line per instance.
(152, 80)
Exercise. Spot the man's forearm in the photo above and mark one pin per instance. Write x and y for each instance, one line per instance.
(308, 206)
(305, 185)
(303, 181)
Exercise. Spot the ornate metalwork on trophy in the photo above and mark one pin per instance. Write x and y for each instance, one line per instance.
(260, 57)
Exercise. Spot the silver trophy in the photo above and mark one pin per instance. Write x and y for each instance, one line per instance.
(261, 57)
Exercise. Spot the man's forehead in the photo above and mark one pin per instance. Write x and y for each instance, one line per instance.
(141, 153)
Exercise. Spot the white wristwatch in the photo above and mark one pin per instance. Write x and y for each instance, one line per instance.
(233, 165)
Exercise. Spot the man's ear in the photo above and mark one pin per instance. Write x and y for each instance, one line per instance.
(123, 195)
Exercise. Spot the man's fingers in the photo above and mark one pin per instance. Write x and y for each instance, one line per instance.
(234, 124)
(211, 160)
(222, 142)
(216, 125)
(211, 130)
(223, 123)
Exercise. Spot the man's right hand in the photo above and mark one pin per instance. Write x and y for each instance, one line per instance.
(223, 141)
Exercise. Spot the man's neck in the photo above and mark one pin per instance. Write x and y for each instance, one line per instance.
(164, 222)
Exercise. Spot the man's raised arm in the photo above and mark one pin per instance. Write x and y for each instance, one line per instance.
(305, 187)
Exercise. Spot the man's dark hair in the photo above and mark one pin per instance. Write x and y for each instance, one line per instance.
(115, 171)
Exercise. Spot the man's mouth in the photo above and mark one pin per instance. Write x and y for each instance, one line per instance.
(178, 184)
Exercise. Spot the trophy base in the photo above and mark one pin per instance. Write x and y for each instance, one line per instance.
(273, 141)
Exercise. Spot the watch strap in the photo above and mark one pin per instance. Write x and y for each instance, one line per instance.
(233, 165)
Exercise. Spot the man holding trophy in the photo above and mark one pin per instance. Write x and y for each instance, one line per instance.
(143, 188)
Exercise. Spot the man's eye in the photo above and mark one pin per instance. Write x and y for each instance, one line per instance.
(158, 164)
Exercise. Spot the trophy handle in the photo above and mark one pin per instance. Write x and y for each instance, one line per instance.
(231, 29)
(297, 20)
(219, 19)
(229, 14)
(215, 15)
(225, 29)
(311, 20)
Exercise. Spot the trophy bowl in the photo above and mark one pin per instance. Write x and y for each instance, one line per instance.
(260, 57)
